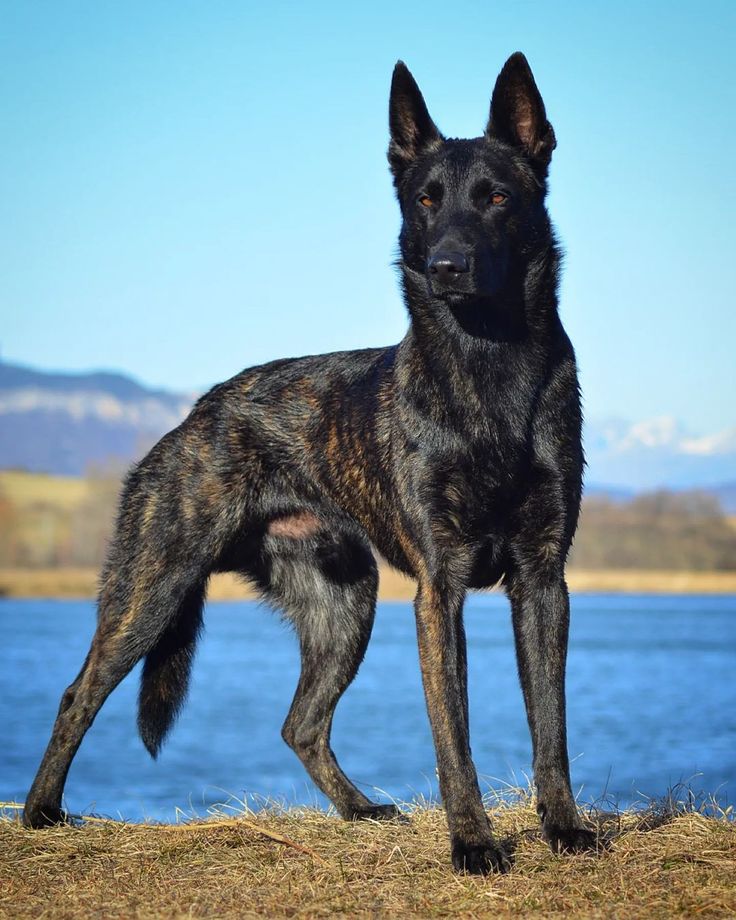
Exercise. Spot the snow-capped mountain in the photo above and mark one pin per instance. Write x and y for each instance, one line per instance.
(658, 453)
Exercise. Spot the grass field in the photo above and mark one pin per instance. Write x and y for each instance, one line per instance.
(308, 864)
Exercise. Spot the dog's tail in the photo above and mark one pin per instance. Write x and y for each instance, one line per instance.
(166, 670)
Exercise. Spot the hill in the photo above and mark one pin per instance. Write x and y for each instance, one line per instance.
(65, 423)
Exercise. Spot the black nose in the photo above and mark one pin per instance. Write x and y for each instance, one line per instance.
(446, 264)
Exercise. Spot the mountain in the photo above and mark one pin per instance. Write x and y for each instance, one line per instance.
(64, 423)
(660, 453)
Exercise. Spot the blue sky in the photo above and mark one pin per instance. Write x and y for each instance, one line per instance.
(191, 188)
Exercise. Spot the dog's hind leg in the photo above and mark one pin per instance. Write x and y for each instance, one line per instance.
(119, 643)
(149, 606)
(326, 584)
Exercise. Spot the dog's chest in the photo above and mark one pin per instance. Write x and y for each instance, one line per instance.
(474, 492)
(469, 458)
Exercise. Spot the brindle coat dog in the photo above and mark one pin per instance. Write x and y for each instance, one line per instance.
(456, 453)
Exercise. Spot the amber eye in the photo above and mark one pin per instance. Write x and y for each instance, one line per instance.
(498, 198)
(425, 201)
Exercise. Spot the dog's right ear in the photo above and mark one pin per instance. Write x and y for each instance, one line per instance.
(412, 130)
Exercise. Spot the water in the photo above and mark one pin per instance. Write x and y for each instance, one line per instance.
(651, 702)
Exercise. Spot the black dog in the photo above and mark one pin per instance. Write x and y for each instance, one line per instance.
(456, 453)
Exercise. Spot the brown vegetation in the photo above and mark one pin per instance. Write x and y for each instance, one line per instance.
(304, 863)
(56, 521)
(53, 532)
(661, 530)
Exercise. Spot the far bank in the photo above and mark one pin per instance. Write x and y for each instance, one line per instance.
(81, 583)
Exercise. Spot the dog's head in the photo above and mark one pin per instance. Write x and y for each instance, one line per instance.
(472, 209)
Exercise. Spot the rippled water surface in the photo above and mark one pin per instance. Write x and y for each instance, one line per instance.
(651, 702)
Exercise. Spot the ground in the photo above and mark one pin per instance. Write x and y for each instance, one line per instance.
(671, 863)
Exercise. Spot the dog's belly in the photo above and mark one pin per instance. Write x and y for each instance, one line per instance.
(487, 569)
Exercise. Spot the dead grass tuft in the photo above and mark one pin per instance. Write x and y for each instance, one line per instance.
(673, 859)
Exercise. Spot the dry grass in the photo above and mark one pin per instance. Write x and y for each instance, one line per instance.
(28, 489)
(52, 583)
(82, 583)
(644, 581)
(303, 863)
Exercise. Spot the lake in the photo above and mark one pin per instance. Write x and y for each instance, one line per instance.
(651, 703)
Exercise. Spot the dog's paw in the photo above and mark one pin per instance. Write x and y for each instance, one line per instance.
(38, 816)
(377, 813)
(479, 858)
(574, 839)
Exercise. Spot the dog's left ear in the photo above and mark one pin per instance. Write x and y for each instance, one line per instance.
(517, 113)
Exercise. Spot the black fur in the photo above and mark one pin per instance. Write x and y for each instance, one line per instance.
(456, 453)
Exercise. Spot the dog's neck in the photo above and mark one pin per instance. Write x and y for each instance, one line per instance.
(468, 332)
(486, 371)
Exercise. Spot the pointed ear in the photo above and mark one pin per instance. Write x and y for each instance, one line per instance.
(412, 130)
(517, 113)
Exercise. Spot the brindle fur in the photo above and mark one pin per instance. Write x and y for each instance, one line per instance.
(456, 453)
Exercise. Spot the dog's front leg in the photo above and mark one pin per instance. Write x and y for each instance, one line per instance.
(541, 613)
(442, 658)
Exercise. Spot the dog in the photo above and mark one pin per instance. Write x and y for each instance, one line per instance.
(456, 454)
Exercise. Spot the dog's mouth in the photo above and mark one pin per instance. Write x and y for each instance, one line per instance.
(463, 292)
(451, 294)
(461, 289)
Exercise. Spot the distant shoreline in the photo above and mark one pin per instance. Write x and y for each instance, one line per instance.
(81, 583)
